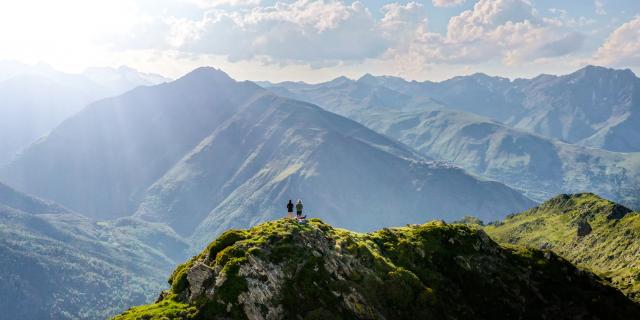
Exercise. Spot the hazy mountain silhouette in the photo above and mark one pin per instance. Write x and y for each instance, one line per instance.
(35, 99)
(205, 152)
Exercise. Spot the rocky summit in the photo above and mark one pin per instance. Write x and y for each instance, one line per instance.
(286, 270)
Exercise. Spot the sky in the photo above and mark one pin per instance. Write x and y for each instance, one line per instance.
(313, 41)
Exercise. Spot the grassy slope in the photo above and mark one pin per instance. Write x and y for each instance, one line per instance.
(281, 269)
(611, 249)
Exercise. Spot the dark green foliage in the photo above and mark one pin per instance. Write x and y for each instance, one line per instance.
(234, 284)
(226, 239)
(178, 279)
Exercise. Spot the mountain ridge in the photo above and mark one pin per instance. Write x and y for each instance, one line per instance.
(201, 148)
(560, 107)
(283, 269)
(590, 231)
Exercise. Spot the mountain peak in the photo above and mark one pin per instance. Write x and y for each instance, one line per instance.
(599, 71)
(367, 77)
(207, 74)
(582, 203)
(283, 269)
(339, 81)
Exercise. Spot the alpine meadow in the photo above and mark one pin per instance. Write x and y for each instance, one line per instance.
(319, 159)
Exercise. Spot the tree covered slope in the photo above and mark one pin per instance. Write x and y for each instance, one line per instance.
(285, 270)
(591, 232)
(55, 264)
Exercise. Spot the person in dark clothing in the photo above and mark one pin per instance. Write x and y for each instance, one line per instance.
(290, 209)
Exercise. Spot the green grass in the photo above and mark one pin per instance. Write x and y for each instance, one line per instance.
(163, 310)
(611, 250)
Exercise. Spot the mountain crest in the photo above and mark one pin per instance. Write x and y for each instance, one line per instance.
(583, 204)
(587, 230)
(288, 270)
(368, 78)
(591, 72)
(206, 75)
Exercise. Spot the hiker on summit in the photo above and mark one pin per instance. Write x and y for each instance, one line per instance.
(299, 210)
(290, 209)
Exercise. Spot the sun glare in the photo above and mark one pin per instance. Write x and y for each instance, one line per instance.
(66, 33)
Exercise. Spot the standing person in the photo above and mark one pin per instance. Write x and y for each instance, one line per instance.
(299, 209)
(290, 209)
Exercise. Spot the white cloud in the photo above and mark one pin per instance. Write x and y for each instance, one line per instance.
(447, 3)
(510, 30)
(321, 33)
(318, 32)
(223, 3)
(401, 22)
(599, 8)
(301, 31)
(622, 47)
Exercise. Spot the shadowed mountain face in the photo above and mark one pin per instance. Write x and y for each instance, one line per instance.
(205, 153)
(55, 264)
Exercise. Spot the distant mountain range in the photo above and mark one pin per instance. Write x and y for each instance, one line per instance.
(426, 116)
(35, 99)
(593, 106)
(56, 264)
(205, 153)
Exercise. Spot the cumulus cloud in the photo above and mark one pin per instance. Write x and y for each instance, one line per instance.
(447, 3)
(299, 31)
(223, 3)
(622, 47)
(507, 29)
(329, 32)
(303, 31)
(599, 8)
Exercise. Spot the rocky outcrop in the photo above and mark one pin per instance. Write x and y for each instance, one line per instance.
(584, 228)
(199, 276)
(285, 270)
